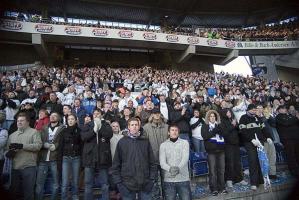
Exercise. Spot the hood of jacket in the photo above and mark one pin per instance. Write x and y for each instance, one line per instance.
(209, 113)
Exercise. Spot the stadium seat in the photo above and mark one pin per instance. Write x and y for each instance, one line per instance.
(198, 164)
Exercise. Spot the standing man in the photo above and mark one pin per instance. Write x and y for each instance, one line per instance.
(134, 169)
(287, 127)
(180, 116)
(23, 146)
(174, 156)
(79, 111)
(156, 130)
(96, 154)
(89, 103)
(269, 145)
(250, 126)
(48, 156)
(67, 110)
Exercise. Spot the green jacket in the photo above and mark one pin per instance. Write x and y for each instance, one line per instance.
(156, 135)
(31, 140)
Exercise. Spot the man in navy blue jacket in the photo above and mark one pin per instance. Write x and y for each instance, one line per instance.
(134, 169)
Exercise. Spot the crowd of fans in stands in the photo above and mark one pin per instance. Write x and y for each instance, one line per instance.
(285, 31)
(137, 126)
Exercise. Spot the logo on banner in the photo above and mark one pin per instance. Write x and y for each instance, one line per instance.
(125, 34)
(230, 44)
(11, 25)
(172, 38)
(149, 36)
(100, 32)
(44, 28)
(193, 40)
(72, 30)
(239, 44)
(212, 42)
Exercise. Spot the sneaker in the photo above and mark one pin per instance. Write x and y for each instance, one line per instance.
(243, 182)
(253, 187)
(215, 193)
(224, 192)
(272, 177)
(229, 184)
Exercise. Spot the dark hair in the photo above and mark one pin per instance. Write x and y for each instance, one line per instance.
(68, 106)
(99, 110)
(23, 114)
(73, 116)
(173, 126)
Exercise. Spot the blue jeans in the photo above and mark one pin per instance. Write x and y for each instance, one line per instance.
(27, 177)
(42, 173)
(172, 189)
(198, 145)
(70, 165)
(158, 190)
(89, 180)
(185, 136)
(127, 194)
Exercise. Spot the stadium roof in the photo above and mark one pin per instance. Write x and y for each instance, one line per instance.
(207, 13)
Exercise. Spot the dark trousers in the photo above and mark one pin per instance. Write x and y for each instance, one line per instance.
(216, 162)
(25, 178)
(255, 173)
(292, 153)
(233, 169)
(1, 170)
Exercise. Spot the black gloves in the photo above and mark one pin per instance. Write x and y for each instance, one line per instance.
(16, 146)
(10, 154)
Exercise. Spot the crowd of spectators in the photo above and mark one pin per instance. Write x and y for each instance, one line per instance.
(281, 32)
(202, 108)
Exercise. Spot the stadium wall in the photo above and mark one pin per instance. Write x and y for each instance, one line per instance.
(12, 54)
(288, 74)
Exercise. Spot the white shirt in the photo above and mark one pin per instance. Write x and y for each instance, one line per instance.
(164, 110)
(196, 133)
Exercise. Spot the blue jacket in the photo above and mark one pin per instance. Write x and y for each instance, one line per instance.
(80, 114)
(89, 105)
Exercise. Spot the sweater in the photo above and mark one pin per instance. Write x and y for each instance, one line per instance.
(175, 154)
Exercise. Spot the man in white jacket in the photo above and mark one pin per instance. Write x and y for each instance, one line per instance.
(174, 156)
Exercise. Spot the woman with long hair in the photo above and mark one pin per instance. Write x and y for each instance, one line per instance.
(233, 169)
(71, 145)
(214, 144)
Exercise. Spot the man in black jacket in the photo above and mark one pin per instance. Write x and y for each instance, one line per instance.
(134, 169)
(288, 129)
(181, 117)
(96, 154)
(250, 128)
